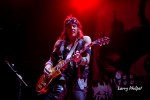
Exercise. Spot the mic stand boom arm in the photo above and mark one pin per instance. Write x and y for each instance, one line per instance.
(19, 77)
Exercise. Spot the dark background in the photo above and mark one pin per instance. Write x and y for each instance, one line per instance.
(29, 28)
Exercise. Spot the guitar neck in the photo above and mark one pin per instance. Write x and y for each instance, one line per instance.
(100, 42)
(87, 47)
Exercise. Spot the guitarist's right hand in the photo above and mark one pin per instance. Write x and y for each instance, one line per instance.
(48, 70)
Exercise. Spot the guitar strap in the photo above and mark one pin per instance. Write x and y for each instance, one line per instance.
(72, 49)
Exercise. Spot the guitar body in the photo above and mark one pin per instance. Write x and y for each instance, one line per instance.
(43, 83)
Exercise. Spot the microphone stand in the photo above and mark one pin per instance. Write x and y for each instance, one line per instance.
(19, 77)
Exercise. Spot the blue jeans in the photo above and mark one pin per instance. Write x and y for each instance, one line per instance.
(59, 89)
(79, 95)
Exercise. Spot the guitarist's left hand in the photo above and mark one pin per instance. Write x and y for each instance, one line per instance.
(77, 57)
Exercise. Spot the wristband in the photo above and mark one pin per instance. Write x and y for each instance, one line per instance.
(49, 62)
(83, 60)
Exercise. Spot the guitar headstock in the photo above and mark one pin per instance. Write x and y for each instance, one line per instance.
(102, 41)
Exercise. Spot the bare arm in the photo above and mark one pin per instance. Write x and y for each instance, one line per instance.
(83, 58)
(86, 59)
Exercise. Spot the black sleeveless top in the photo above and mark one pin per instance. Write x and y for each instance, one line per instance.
(71, 70)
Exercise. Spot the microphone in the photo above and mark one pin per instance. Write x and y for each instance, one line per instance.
(8, 63)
